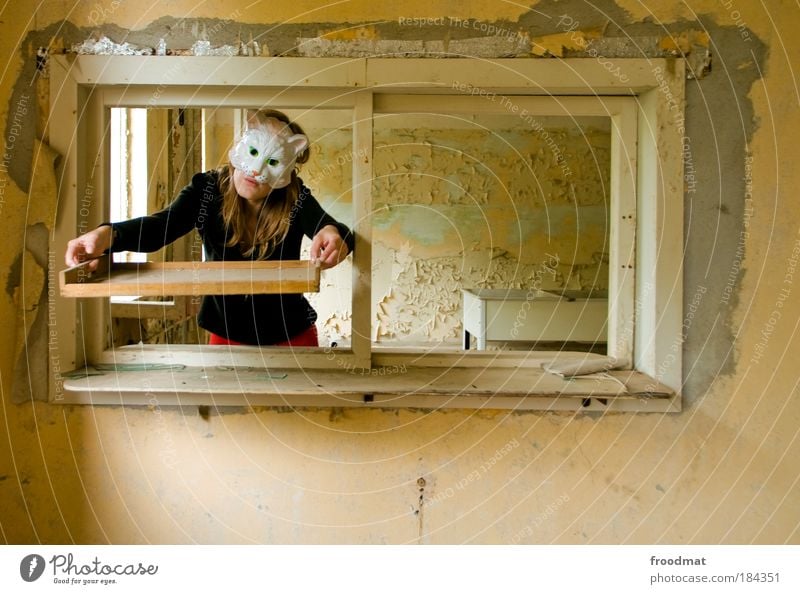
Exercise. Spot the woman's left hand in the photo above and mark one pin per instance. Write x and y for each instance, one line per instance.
(328, 248)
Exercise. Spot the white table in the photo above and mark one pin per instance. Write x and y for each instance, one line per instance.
(519, 314)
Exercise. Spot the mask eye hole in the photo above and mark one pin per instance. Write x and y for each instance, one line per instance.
(253, 151)
(272, 162)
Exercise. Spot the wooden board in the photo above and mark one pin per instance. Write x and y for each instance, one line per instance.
(389, 386)
(190, 278)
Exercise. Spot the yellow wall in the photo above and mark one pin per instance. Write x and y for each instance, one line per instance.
(725, 470)
(459, 206)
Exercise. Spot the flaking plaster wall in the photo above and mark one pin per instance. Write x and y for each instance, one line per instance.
(724, 470)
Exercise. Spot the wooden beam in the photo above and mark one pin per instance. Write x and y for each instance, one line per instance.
(191, 278)
(231, 72)
(363, 175)
(389, 386)
(576, 76)
(139, 309)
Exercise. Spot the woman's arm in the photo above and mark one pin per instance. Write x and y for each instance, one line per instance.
(151, 232)
(89, 245)
(328, 248)
(331, 240)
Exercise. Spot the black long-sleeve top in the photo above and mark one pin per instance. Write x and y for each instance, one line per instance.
(250, 319)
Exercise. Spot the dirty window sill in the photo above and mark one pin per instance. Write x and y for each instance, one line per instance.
(391, 386)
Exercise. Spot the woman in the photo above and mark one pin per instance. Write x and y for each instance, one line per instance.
(255, 208)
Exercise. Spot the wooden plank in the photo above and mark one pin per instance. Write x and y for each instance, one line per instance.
(138, 309)
(232, 72)
(82, 273)
(192, 278)
(414, 401)
(659, 229)
(622, 212)
(575, 76)
(66, 134)
(93, 319)
(568, 108)
(435, 357)
(362, 216)
(196, 355)
(344, 387)
(218, 97)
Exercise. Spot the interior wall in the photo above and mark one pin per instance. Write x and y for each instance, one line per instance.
(725, 470)
(474, 206)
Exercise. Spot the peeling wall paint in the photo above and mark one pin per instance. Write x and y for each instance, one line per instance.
(481, 208)
(464, 207)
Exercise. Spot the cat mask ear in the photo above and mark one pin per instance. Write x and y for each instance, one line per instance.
(267, 155)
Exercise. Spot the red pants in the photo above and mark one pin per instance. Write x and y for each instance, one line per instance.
(306, 338)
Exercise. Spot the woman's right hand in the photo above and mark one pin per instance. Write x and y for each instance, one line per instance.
(89, 245)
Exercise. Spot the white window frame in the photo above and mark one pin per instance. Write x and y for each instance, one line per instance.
(645, 280)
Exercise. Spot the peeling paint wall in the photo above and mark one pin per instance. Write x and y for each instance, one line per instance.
(484, 205)
(723, 471)
(489, 205)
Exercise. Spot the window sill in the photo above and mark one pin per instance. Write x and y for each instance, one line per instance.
(408, 387)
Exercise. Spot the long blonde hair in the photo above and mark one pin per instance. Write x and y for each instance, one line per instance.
(274, 217)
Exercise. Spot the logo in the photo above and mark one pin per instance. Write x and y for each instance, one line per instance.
(31, 568)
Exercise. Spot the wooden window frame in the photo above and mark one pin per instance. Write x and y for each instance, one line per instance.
(177, 308)
(646, 111)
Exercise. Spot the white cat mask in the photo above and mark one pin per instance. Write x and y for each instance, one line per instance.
(268, 156)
